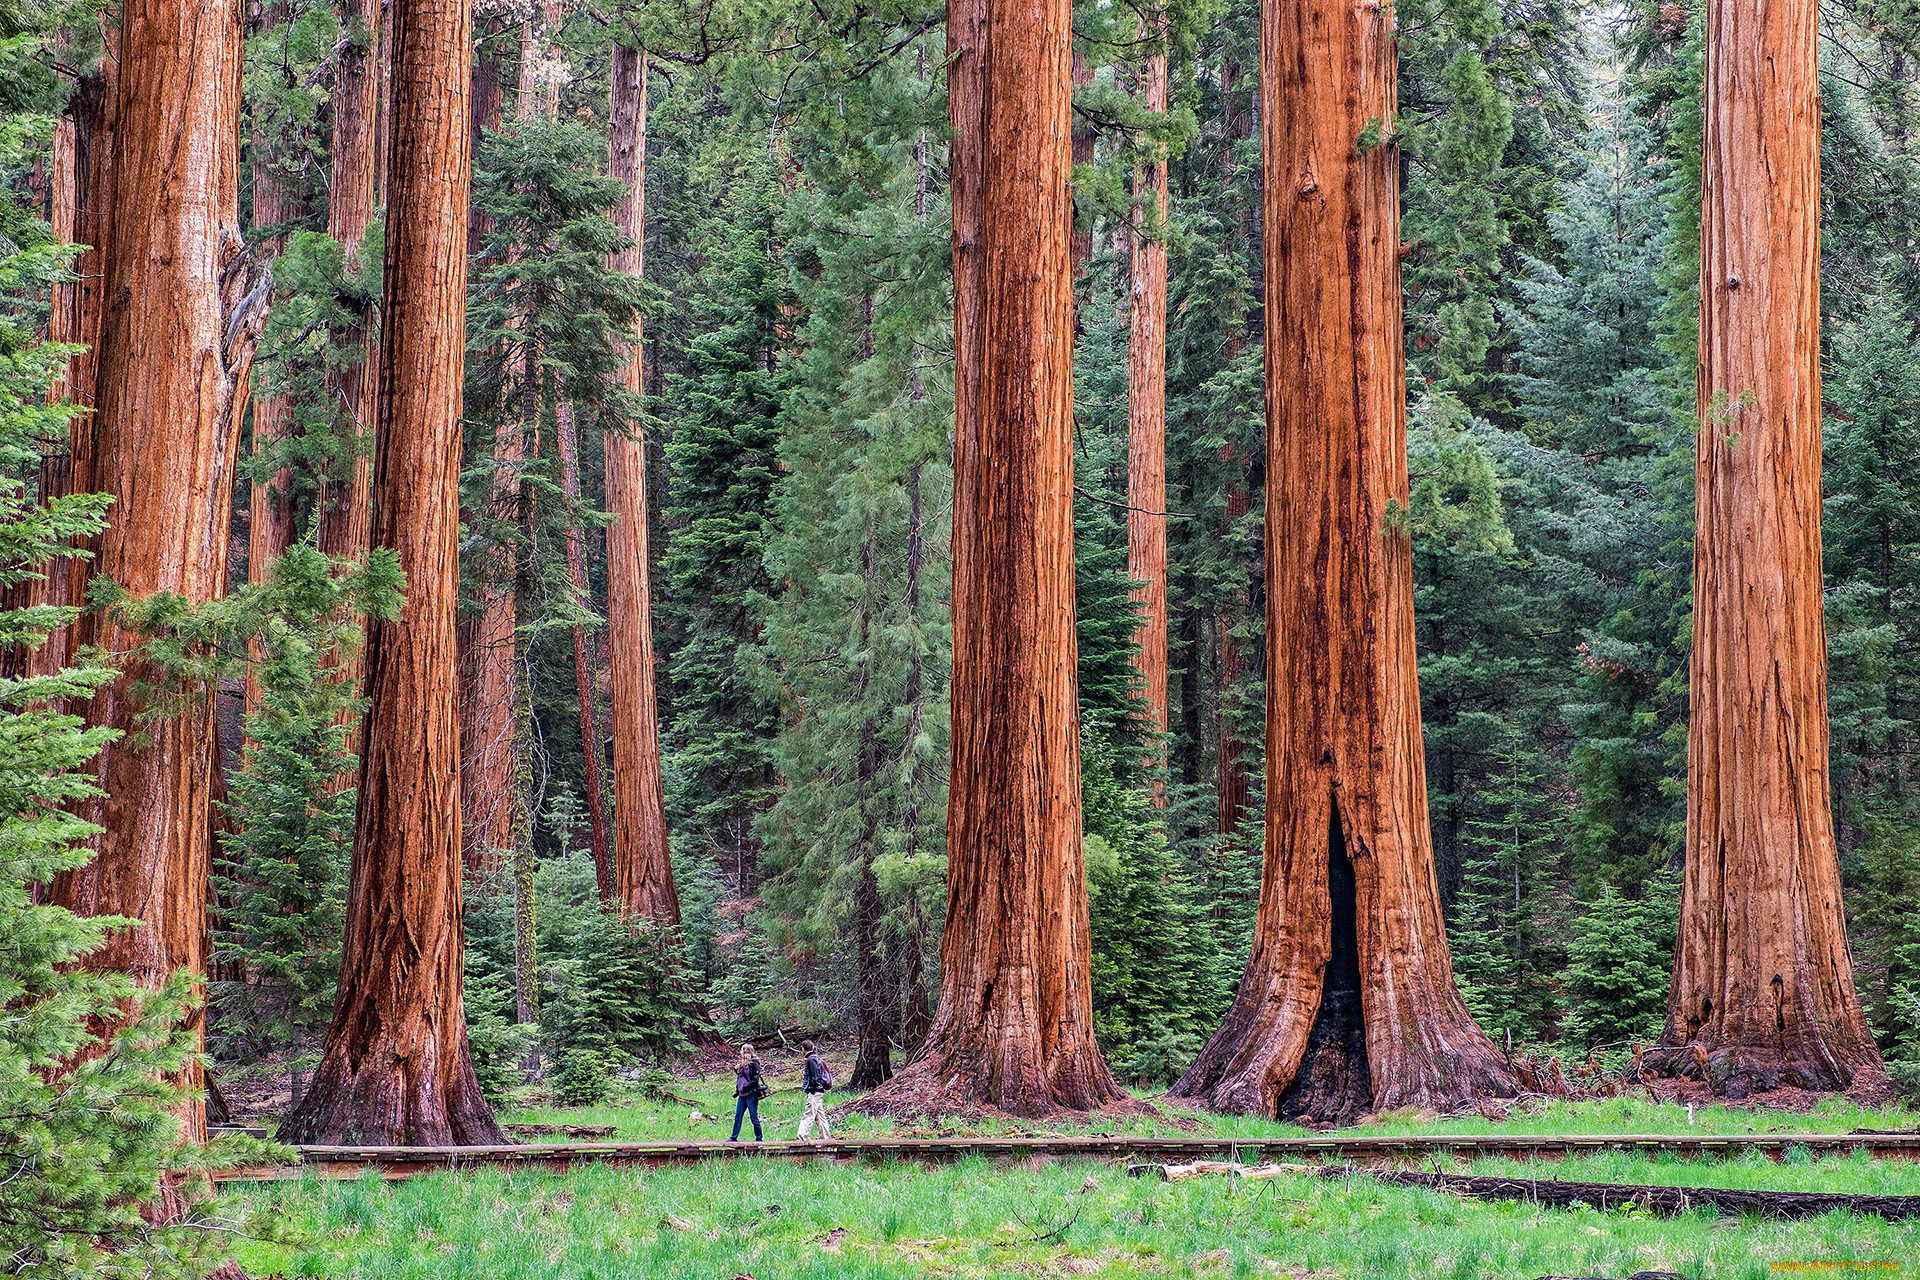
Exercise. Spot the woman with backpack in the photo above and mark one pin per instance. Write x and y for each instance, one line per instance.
(748, 1089)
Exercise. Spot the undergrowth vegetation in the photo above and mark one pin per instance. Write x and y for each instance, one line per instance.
(779, 1220)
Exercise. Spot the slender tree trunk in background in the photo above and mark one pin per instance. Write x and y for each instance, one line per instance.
(1348, 1001)
(396, 1070)
(1231, 783)
(643, 870)
(1763, 983)
(526, 959)
(1014, 1027)
(165, 437)
(486, 650)
(874, 1063)
(1230, 773)
(83, 153)
(270, 524)
(583, 667)
(346, 511)
(486, 710)
(1082, 132)
(1147, 409)
(913, 1027)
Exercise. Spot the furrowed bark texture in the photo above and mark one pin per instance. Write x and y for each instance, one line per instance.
(165, 437)
(1147, 410)
(346, 510)
(1082, 248)
(1763, 983)
(1348, 894)
(486, 639)
(1231, 783)
(396, 1070)
(643, 871)
(83, 152)
(583, 668)
(1014, 1024)
(270, 522)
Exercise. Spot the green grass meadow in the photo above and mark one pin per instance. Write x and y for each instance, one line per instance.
(821, 1218)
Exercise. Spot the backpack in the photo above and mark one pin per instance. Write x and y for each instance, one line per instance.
(819, 1079)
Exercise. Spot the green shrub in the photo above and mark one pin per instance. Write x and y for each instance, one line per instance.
(582, 1079)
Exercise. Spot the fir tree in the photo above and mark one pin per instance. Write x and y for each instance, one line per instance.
(725, 437)
(282, 872)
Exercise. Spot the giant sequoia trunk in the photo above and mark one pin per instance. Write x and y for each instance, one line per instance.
(395, 1069)
(486, 641)
(346, 511)
(1014, 1025)
(270, 522)
(1763, 984)
(165, 437)
(1147, 407)
(1347, 1002)
(83, 155)
(642, 870)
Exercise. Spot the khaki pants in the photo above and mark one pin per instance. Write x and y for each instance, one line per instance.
(816, 1110)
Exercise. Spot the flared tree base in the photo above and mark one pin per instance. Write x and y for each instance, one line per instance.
(384, 1104)
(1440, 1062)
(1739, 1072)
(954, 1085)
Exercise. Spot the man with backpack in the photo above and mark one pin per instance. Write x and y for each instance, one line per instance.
(815, 1080)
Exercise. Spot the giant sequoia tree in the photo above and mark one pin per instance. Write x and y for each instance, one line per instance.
(643, 874)
(163, 442)
(1014, 1024)
(1348, 1001)
(1147, 402)
(396, 1068)
(1762, 980)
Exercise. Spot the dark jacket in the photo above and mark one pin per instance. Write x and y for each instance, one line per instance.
(815, 1078)
(746, 1081)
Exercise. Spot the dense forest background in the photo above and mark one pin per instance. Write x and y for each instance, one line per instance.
(797, 411)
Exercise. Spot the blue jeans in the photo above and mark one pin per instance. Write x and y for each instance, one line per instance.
(746, 1105)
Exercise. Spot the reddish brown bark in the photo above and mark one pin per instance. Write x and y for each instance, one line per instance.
(1348, 1001)
(1763, 983)
(1231, 784)
(1013, 1028)
(165, 438)
(396, 1069)
(82, 209)
(346, 512)
(1147, 409)
(270, 522)
(583, 668)
(486, 639)
(643, 870)
(1082, 247)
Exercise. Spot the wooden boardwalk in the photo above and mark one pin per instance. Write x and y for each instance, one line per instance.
(408, 1162)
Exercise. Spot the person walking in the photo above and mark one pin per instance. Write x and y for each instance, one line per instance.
(748, 1089)
(815, 1080)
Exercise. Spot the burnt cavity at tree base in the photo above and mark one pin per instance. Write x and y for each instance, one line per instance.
(1333, 1083)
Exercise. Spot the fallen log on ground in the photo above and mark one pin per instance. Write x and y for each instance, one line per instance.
(559, 1130)
(1201, 1168)
(1666, 1202)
